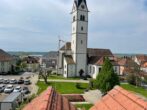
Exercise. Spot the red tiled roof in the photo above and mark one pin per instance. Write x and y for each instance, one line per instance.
(120, 99)
(144, 65)
(49, 100)
(128, 62)
(4, 56)
(142, 58)
(100, 61)
(99, 52)
(67, 46)
(69, 59)
(31, 60)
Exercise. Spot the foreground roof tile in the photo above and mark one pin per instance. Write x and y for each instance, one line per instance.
(49, 100)
(120, 99)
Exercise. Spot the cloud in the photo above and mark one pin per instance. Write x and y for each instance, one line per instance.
(34, 25)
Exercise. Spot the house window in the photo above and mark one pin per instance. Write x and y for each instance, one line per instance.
(64, 72)
(115, 69)
(100, 70)
(90, 69)
(93, 69)
(81, 42)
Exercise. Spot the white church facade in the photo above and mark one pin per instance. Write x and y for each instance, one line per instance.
(75, 59)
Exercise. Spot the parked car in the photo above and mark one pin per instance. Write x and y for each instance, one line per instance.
(20, 81)
(13, 81)
(2, 87)
(1, 80)
(17, 89)
(9, 89)
(6, 81)
(27, 82)
(25, 90)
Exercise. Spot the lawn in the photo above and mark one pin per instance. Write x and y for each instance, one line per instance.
(84, 106)
(63, 87)
(135, 89)
(62, 78)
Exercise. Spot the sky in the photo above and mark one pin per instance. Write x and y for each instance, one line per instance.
(34, 25)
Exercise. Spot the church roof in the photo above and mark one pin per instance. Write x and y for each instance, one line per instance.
(99, 52)
(120, 99)
(97, 60)
(67, 46)
(78, 2)
(69, 59)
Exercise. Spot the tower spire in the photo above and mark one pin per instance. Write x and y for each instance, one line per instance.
(78, 2)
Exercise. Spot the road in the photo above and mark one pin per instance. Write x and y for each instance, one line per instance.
(58, 80)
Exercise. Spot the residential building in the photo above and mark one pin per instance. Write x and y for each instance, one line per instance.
(96, 59)
(49, 100)
(127, 65)
(6, 62)
(74, 56)
(142, 61)
(120, 99)
(50, 60)
(32, 63)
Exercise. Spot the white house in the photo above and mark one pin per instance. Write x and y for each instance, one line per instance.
(6, 62)
(74, 56)
(142, 61)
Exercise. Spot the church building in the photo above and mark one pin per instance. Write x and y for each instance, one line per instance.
(75, 59)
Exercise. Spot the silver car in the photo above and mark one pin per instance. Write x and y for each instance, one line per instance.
(8, 89)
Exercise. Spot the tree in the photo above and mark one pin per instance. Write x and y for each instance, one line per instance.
(44, 74)
(131, 78)
(107, 78)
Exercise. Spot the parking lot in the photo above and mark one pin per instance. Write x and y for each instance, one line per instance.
(32, 77)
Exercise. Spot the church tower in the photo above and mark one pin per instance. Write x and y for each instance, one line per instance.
(79, 35)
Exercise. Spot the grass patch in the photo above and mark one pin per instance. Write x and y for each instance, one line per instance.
(135, 89)
(84, 106)
(62, 78)
(63, 87)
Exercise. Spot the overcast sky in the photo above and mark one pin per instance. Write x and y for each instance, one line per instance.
(34, 25)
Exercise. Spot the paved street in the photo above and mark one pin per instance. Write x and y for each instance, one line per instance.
(92, 96)
(74, 81)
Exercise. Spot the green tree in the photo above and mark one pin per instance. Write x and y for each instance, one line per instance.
(45, 74)
(107, 78)
(131, 78)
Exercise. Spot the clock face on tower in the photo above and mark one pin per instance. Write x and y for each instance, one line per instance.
(82, 6)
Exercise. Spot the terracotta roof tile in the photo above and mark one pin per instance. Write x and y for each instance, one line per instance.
(4, 56)
(67, 46)
(49, 100)
(99, 52)
(120, 99)
(69, 59)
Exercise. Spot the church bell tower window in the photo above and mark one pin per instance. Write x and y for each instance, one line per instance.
(74, 18)
(82, 18)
